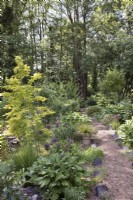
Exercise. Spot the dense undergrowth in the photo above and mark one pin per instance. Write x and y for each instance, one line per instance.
(50, 127)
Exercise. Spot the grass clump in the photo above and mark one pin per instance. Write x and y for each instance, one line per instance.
(25, 157)
(92, 153)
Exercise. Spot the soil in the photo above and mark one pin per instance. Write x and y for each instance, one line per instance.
(119, 178)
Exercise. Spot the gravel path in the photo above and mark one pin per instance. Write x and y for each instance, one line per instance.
(119, 177)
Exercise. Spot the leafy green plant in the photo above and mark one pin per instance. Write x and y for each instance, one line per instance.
(107, 119)
(74, 118)
(74, 194)
(124, 109)
(115, 125)
(10, 182)
(56, 173)
(92, 153)
(125, 131)
(24, 157)
(86, 129)
(65, 132)
(93, 110)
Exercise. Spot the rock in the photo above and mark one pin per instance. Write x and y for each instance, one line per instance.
(48, 126)
(125, 148)
(47, 146)
(94, 145)
(113, 132)
(29, 191)
(86, 141)
(130, 154)
(119, 141)
(101, 191)
(132, 164)
(97, 162)
(10, 138)
(115, 136)
(92, 141)
(34, 197)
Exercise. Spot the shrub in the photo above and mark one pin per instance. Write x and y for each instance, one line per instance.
(62, 97)
(91, 101)
(125, 131)
(92, 153)
(57, 173)
(115, 125)
(107, 119)
(124, 109)
(93, 110)
(65, 132)
(113, 83)
(86, 129)
(75, 118)
(10, 182)
(25, 157)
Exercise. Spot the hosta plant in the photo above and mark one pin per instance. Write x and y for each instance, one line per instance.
(56, 173)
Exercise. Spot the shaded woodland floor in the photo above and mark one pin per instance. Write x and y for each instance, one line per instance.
(119, 178)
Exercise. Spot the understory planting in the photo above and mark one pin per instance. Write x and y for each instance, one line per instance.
(64, 65)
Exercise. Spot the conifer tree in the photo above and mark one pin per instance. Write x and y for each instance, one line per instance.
(26, 109)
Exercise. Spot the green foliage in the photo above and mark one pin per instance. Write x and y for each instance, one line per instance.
(69, 124)
(24, 103)
(10, 182)
(2, 110)
(74, 194)
(124, 109)
(115, 125)
(102, 100)
(62, 97)
(113, 83)
(74, 118)
(125, 131)
(3, 148)
(56, 173)
(92, 153)
(86, 129)
(107, 119)
(25, 157)
(65, 132)
(91, 110)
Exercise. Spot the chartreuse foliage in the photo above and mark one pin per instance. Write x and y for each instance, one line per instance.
(26, 109)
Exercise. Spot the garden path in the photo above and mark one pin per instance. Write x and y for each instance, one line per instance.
(119, 178)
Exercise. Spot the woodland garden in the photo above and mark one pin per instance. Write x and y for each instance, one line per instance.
(66, 68)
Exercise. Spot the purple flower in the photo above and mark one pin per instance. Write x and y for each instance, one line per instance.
(54, 140)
